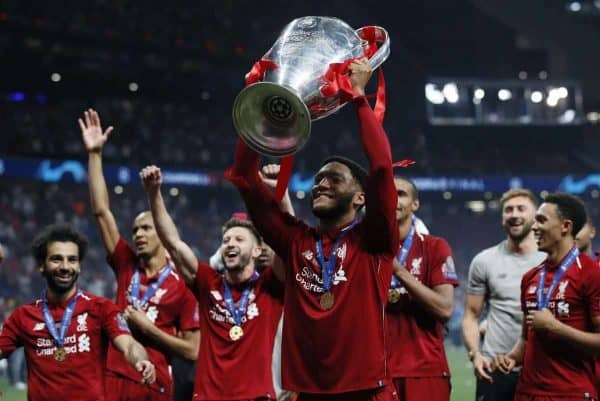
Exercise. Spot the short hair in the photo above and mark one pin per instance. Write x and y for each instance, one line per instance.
(513, 193)
(57, 233)
(358, 172)
(569, 207)
(413, 186)
(247, 224)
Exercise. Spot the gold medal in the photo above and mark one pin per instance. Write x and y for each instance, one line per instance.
(327, 300)
(60, 354)
(236, 332)
(393, 296)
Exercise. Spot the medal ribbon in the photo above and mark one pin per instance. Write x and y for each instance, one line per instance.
(238, 313)
(59, 338)
(542, 301)
(403, 255)
(328, 268)
(135, 287)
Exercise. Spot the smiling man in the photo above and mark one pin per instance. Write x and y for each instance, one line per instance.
(65, 331)
(337, 274)
(420, 301)
(560, 338)
(154, 298)
(239, 309)
(495, 278)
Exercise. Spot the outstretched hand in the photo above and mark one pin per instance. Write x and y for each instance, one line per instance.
(91, 131)
(151, 178)
(360, 73)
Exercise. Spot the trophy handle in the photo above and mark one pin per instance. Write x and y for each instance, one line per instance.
(382, 38)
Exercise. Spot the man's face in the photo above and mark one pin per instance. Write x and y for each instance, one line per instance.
(1, 254)
(335, 191)
(518, 215)
(549, 228)
(61, 267)
(238, 248)
(406, 204)
(585, 236)
(145, 238)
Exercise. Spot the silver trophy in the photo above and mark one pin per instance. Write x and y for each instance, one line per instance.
(274, 116)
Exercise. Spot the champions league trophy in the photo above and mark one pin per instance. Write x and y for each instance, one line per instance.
(274, 116)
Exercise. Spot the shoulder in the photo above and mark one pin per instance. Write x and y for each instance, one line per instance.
(489, 254)
(531, 274)
(588, 266)
(435, 243)
(123, 249)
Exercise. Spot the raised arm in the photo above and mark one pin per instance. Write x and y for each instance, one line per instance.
(136, 356)
(268, 175)
(380, 218)
(94, 140)
(182, 255)
(275, 226)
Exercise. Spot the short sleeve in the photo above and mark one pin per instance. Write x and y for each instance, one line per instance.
(10, 337)
(122, 257)
(113, 321)
(189, 318)
(477, 284)
(443, 270)
(203, 276)
(592, 288)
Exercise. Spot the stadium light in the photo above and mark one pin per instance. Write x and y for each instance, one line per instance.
(504, 95)
(536, 97)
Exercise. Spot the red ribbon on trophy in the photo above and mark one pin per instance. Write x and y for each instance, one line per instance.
(256, 74)
(336, 79)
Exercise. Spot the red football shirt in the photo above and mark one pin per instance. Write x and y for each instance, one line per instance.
(416, 337)
(552, 367)
(341, 349)
(236, 370)
(171, 308)
(95, 322)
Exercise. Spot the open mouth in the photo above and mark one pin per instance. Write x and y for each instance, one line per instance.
(64, 278)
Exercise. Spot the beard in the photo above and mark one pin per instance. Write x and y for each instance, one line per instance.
(57, 286)
(525, 230)
(244, 261)
(341, 206)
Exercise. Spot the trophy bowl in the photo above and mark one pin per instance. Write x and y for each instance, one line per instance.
(274, 116)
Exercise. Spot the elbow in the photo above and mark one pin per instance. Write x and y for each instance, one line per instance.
(191, 352)
(445, 314)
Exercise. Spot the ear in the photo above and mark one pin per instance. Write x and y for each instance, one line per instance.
(41, 268)
(567, 227)
(414, 206)
(256, 251)
(359, 199)
(592, 232)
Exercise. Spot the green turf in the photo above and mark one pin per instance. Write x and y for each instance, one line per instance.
(463, 381)
(10, 394)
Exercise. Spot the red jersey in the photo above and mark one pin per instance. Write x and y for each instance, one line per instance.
(236, 370)
(340, 349)
(95, 322)
(552, 367)
(171, 308)
(416, 337)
